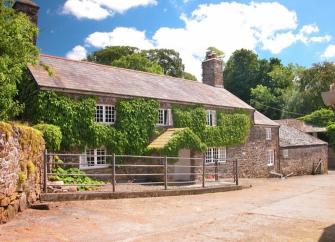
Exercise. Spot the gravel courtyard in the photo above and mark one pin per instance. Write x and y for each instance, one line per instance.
(296, 209)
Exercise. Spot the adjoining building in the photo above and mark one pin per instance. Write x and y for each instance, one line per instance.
(317, 132)
(301, 153)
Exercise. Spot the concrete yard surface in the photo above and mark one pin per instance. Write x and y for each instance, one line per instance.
(295, 209)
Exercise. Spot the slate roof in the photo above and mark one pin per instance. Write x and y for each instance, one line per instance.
(290, 137)
(301, 125)
(261, 119)
(91, 78)
(164, 138)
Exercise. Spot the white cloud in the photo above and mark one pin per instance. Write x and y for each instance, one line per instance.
(77, 53)
(329, 52)
(119, 36)
(101, 9)
(228, 26)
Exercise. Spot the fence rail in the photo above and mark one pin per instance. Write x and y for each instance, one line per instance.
(161, 171)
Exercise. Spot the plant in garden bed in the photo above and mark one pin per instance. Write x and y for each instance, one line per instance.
(75, 176)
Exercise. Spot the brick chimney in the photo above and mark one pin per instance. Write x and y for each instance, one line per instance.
(29, 8)
(212, 73)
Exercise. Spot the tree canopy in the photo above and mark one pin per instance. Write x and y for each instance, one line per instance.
(16, 51)
(161, 61)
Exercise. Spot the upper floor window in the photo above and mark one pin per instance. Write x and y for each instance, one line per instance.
(211, 117)
(165, 117)
(268, 134)
(215, 154)
(271, 157)
(105, 114)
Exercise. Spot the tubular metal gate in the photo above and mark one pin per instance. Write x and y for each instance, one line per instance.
(164, 174)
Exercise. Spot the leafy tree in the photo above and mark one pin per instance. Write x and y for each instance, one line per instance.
(109, 54)
(138, 62)
(312, 82)
(168, 59)
(321, 118)
(264, 100)
(189, 76)
(218, 52)
(16, 51)
(241, 73)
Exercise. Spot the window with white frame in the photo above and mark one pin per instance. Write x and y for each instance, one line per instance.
(271, 157)
(94, 157)
(165, 117)
(211, 117)
(285, 153)
(105, 114)
(215, 154)
(268, 134)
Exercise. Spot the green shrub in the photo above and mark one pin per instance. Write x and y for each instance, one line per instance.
(52, 135)
(79, 178)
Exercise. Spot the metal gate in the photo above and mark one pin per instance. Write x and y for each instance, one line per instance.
(77, 172)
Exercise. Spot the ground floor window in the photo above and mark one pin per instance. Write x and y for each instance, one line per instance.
(285, 153)
(271, 157)
(94, 157)
(215, 154)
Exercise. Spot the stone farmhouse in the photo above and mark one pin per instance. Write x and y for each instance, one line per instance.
(258, 157)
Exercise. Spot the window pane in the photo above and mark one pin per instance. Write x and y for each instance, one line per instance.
(101, 158)
(208, 156)
(90, 157)
(99, 117)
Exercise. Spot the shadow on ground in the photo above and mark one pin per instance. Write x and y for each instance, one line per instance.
(328, 234)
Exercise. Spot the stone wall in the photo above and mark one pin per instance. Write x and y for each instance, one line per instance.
(252, 156)
(303, 160)
(21, 156)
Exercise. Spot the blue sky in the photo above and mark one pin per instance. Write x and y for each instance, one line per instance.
(295, 31)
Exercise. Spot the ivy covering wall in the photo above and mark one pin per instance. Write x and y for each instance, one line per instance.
(135, 125)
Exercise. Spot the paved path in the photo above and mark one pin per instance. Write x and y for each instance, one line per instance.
(296, 209)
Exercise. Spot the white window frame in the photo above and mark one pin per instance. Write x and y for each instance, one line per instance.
(211, 118)
(285, 153)
(268, 133)
(214, 154)
(107, 118)
(270, 157)
(164, 117)
(86, 161)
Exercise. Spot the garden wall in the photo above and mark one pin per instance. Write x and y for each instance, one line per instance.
(21, 160)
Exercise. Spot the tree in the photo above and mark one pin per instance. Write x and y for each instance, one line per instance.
(312, 82)
(241, 73)
(189, 76)
(138, 62)
(218, 52)
(168, 59)
(109, 54)
(16, 51)
(265, 101)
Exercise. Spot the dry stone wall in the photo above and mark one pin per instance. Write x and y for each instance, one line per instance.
(21, 156)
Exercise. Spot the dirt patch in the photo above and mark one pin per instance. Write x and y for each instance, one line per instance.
(296, 209)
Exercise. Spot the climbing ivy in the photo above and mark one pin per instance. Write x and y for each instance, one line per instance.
(183, 139)
(135, 125)
(137, 119)
(232, 125)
